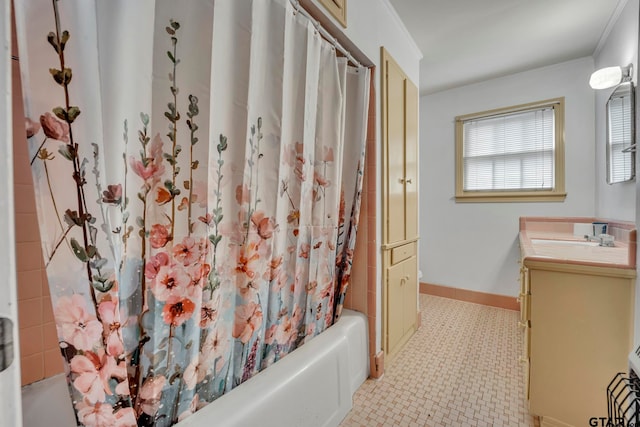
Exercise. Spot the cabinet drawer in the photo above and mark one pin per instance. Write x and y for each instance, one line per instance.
(402, 252)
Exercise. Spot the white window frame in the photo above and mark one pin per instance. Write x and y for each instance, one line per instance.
(555, 194)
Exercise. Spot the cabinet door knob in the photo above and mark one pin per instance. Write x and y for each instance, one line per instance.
(409, 181)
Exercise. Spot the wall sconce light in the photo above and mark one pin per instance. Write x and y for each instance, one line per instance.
(610, 76)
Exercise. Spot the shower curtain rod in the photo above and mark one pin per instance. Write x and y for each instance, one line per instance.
(324, 33)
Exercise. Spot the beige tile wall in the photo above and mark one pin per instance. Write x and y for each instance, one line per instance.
(39, 353)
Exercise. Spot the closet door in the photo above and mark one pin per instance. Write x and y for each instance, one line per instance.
(395, 153)
(411, 161)
(400, 155)
(396, 284)
(402, 300)
(410, 295)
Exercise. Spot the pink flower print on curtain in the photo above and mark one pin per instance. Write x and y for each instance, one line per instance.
(102, 415)
(54, 128)
(77, 326)
(190, 224)
(31, 127)
(110, 315)
(151, 394)
(93, 373)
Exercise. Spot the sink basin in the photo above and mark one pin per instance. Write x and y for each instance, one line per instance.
(564, 242)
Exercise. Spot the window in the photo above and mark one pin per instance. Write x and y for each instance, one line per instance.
(513, 154)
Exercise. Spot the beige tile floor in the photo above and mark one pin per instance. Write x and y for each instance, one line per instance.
(460, 369)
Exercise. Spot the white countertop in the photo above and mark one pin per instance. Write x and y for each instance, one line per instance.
(618, 256)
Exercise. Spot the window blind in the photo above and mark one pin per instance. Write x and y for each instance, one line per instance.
(512, 151)
(620, 137)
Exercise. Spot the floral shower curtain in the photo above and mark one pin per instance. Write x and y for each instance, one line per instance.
(198, 168)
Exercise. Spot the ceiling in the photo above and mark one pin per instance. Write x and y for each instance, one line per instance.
(467, 41)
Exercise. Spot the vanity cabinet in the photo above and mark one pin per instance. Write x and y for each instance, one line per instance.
(399, 205)
(524, 299)
(577, 333)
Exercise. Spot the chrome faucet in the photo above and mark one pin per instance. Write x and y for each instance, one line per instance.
(602, 241)
(592, 238)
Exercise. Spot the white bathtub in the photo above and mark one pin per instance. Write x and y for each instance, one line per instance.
(312, 386)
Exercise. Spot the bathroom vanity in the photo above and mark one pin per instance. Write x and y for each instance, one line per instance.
(576, 315)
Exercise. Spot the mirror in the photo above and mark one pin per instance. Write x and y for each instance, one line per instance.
(621, 147)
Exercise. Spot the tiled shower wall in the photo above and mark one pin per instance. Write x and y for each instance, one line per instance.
(39, 353)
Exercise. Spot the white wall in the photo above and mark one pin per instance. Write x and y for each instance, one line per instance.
(620, 47)
(475, 245)
(620, 201)
(370, 25)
